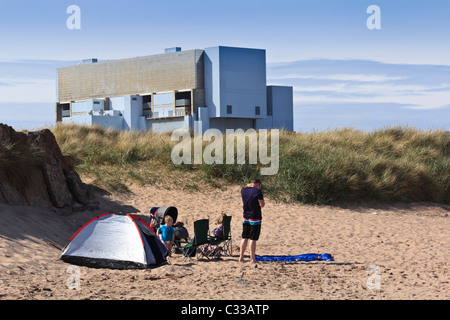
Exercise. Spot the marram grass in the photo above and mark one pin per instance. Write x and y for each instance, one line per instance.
(388, 165)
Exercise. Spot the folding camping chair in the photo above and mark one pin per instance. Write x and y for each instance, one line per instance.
(201, 228)
(225, 242)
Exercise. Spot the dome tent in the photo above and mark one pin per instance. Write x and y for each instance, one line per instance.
(116, 242)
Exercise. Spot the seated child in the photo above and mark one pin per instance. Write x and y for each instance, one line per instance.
(217, 233)
(167, 233)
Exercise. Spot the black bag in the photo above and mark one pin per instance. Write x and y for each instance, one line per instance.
(180, 231)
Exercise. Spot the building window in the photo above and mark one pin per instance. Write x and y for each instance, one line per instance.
(165, 111)
(257, 110)
(229, 109)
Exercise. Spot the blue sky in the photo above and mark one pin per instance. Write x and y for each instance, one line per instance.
(343, 74)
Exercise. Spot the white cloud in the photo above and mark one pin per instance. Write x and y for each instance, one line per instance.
(27, 91)
(341, 77)
(359, 81)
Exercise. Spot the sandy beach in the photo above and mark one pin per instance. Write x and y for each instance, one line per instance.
(380, 252)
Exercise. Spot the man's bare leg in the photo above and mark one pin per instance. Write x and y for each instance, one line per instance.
(243, 248)
(253, 251)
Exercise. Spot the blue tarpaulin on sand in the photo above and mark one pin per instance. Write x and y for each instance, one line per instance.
(300, 257)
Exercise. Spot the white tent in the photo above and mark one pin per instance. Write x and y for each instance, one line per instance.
(115, 241)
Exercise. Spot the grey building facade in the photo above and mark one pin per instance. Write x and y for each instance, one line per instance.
(223, 87)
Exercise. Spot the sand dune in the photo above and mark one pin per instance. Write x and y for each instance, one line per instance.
(407, 244)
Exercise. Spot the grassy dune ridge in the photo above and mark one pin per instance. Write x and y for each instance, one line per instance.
(388, 165)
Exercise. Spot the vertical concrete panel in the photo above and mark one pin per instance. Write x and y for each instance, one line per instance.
(203, 116)
(243, 82)
(212, 80)
(236, 77)
(282, 107)
(132, 112)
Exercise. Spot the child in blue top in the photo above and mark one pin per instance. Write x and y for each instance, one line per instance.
(167, 233)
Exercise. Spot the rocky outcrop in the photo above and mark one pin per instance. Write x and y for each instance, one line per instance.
(51, 182)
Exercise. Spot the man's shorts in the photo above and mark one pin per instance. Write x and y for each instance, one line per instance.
(251, 231)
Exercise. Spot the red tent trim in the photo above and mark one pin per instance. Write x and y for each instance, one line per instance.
(137, 229)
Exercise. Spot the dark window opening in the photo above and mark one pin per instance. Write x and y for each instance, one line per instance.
(257, 110)
(183, 95)
(229, 109)
(146, 99)
(147, 105)
(183, 101)
(63, 111)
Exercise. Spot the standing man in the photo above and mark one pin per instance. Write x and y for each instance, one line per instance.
(253, 201)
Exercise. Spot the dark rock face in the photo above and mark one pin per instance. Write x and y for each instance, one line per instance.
(52, 183)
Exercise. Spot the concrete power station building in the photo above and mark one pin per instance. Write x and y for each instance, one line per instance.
(223, 87)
